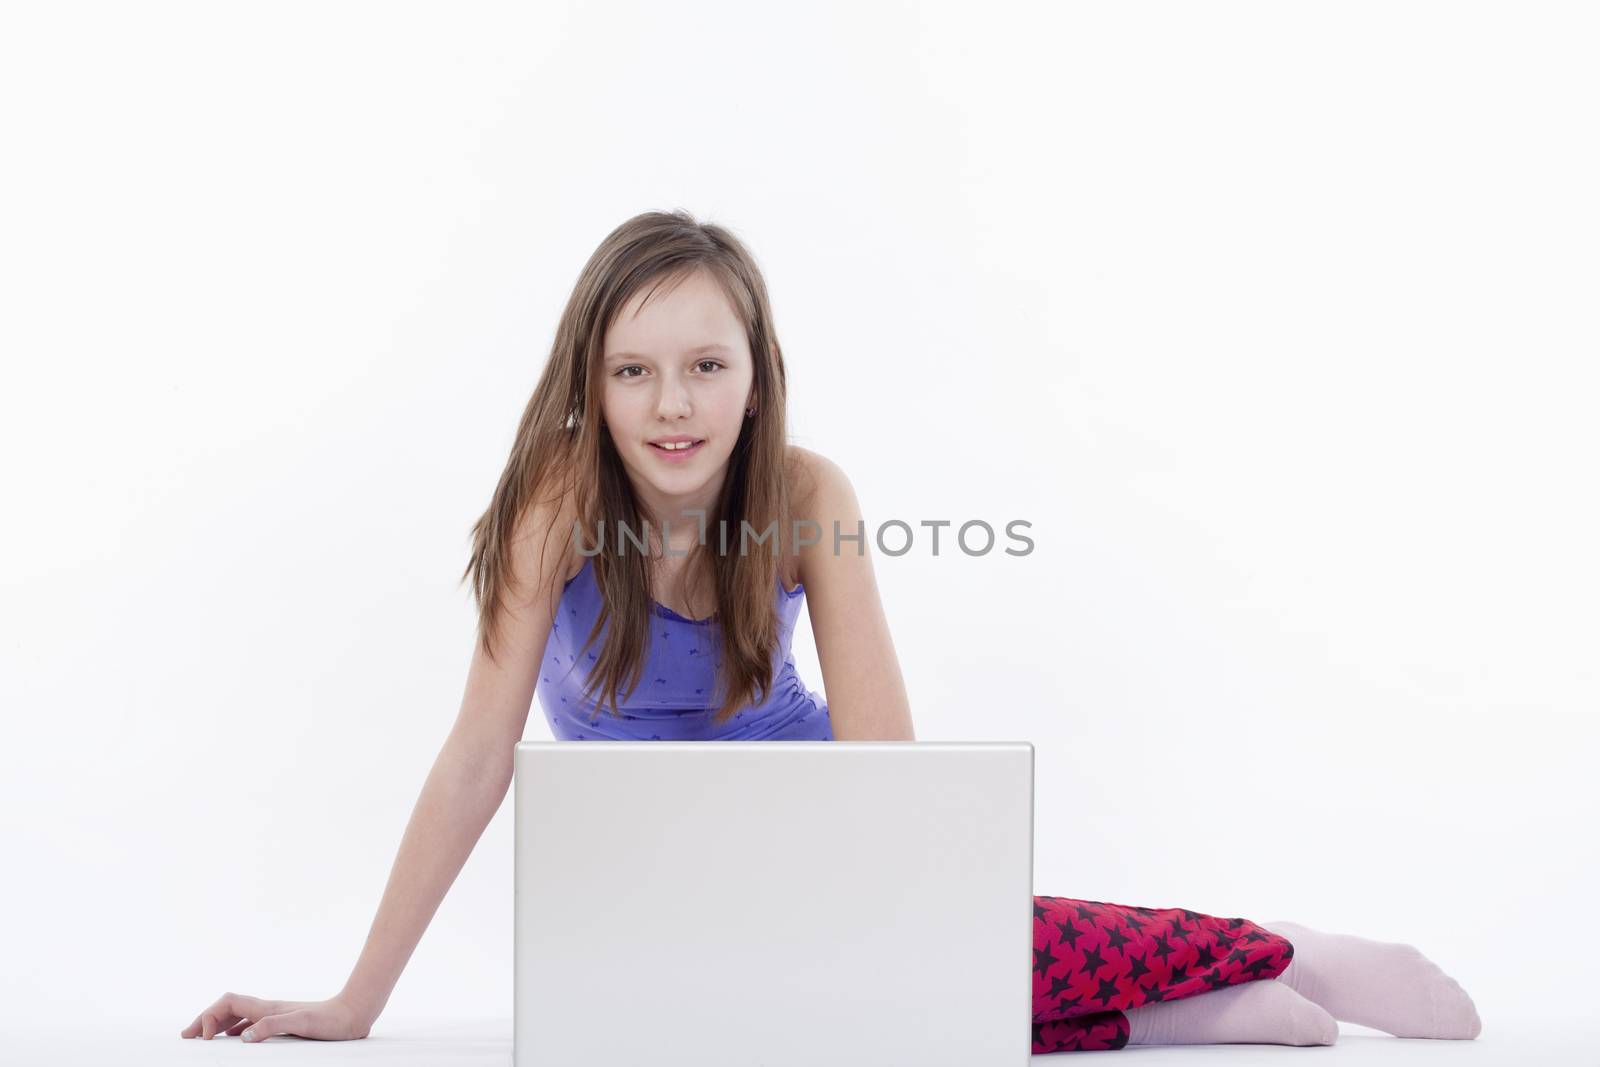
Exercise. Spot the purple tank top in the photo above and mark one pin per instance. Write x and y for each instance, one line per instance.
(672, 701)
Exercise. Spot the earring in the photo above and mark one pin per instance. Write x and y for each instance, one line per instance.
(749, 412)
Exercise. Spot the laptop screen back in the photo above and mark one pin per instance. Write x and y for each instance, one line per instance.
(781, 903)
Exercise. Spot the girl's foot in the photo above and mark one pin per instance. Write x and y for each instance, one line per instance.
(1382, 984)
(1250, 1013)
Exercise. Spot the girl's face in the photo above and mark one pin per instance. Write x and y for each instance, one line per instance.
(677, 369)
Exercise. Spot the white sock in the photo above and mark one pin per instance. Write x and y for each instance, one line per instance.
(1261, 1012)
(1382, 984)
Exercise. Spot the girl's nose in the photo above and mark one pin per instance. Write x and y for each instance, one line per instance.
(673, 401)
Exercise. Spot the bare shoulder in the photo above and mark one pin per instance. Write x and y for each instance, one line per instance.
(815, 482)
(821, 493)
(542, 542)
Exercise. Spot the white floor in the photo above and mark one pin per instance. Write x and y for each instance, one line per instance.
(417, 1043)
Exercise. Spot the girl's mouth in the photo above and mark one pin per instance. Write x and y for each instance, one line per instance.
(676, 453)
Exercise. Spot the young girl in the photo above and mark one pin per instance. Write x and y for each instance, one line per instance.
(641, 567)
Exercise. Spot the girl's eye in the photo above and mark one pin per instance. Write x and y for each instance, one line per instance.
(622, 372)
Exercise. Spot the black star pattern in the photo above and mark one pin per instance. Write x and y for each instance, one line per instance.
(1066, 1044)
(1058, 984)
(1064, 1018)
(1068, 1006)
(1069, 933)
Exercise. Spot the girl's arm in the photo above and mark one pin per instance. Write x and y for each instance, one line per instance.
(860, 675)
(474, 768)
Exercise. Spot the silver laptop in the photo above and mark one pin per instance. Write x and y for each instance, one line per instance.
(773, 902)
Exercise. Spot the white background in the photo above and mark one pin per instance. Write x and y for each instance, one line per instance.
(1276, 321)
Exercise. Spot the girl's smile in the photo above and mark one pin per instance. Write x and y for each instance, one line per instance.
(677, 448)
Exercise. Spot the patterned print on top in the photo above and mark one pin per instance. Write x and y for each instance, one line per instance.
(673, 697)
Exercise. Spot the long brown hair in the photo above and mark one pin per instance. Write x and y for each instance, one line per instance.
(562, 451)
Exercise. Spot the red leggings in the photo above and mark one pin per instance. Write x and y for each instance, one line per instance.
(1091, 959)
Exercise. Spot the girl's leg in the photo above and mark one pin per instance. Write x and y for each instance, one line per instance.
(1264, 1013)
(1094, 960)
(1096, 1032)
(1382, 984)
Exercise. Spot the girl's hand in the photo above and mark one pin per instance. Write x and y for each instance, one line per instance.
(255, 1019)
